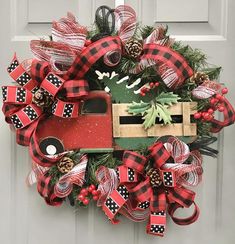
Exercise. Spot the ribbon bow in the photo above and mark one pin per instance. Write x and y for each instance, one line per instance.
(153, 182)
(20, 107)
(54, 193)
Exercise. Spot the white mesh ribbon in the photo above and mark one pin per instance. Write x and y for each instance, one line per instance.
(125, 20)
(187, 172)
(108, 181)
(76, 176)
(35, 173)
(206, 90)
(69, 32)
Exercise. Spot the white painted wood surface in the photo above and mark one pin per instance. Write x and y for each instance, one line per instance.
(194, 11)
(25, 219)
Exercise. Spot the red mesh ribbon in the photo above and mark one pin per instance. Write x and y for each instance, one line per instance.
(135, 192)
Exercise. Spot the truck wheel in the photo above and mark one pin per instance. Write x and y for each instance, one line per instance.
(51, 146)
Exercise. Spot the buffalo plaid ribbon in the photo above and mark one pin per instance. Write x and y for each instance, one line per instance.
(229, 118)
(173, 68)
(136, 188)
(46, 190)
(91, 55)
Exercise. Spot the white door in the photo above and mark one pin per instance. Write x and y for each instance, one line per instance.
(25, 219)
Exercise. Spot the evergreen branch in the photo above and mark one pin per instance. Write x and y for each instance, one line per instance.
(212, 72)
(195, 57)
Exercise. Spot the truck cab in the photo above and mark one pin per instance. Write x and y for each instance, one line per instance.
(91, 131)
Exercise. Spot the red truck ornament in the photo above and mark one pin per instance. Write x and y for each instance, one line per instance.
(104, 127)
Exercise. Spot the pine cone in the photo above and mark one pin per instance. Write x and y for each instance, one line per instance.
(155, 178)
(65, 165)
(134, 48)
(41, 98)
(199, 78)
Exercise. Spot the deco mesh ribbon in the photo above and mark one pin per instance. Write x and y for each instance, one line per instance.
(175, 166)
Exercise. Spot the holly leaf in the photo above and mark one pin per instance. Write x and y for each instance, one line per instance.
(150, 117)
(156, 111)
(138, 108)
(163, 114)
(167, 98)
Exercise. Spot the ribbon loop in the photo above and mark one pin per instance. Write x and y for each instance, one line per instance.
(229, 118)
(76, 88)
(46, 190)
(159, 153)
(183, 221)
(91, 55)
(157, 223)
(134, 160)
(26, 116)
(16, 95)
(20, 75)
(39, 70)
(65, 109)
(52, 84)
(115, 201)
(184, 197)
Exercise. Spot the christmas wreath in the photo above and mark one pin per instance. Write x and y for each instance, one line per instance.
(120, 114)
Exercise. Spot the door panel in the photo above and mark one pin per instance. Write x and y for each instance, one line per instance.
(26, 219)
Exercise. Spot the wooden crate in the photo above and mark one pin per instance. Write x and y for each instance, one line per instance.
(186, 128)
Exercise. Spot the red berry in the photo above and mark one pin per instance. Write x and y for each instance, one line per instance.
(151, 84)
(224, 90)
(95, 193)
(213, 101)
(197, 115)
(157, 83)
(206, 115)
(203, 114)
(91, 188)
(210, 117)
(210, 111)
(84, 192)
(81, 197)
(221, 108)
(142, 94)
(218, 96)
(86, 201)
(95, 198)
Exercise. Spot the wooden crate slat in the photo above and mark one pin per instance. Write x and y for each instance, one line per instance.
(172, 129)
(116, 120)
(186, 128)
(133, 130)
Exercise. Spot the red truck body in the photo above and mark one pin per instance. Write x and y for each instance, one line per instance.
(91, 130)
